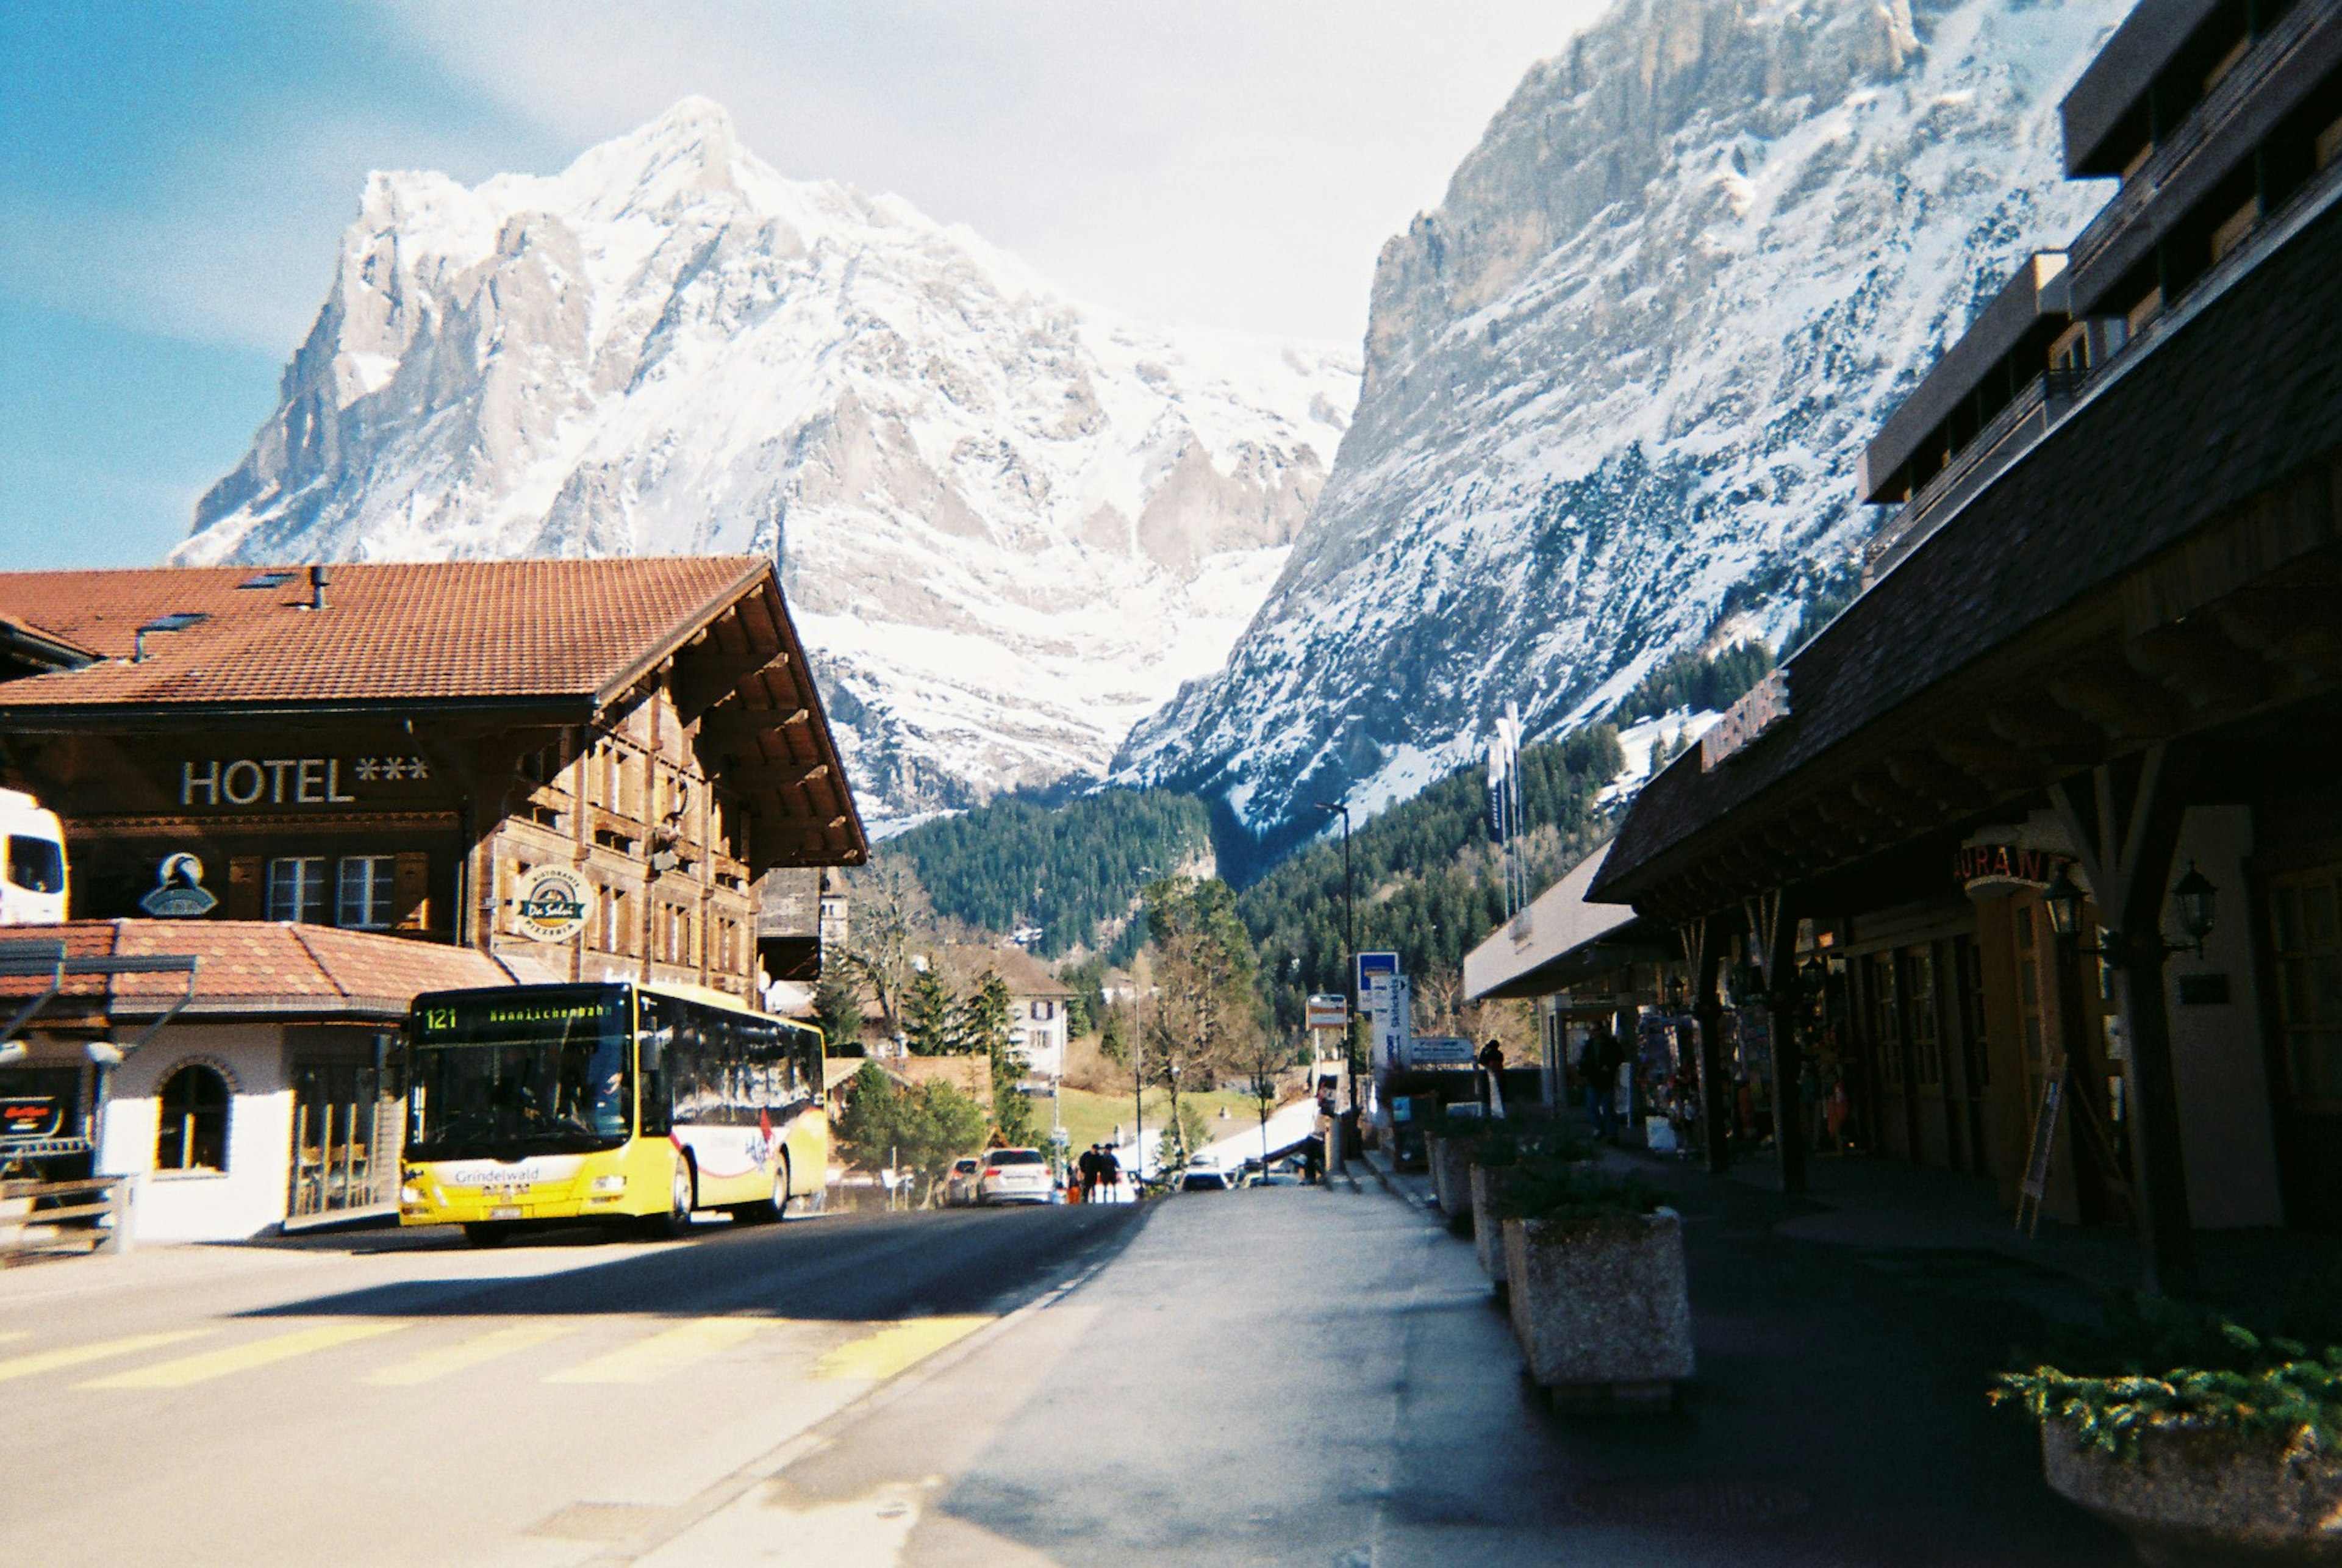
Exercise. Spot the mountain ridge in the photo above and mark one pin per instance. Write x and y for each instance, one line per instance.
(1613, 385)
(1009, 522)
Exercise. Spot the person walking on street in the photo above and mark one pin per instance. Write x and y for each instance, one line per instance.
(1492, 1086)
(1110, 1173)
(1598, 1068)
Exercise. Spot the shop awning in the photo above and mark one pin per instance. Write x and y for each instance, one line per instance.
(1560, 939)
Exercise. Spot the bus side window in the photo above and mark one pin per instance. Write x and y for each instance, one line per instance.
(760, 1084)
(658, 1054)
(723, 1064)
(698, 1073)
(805, 1062)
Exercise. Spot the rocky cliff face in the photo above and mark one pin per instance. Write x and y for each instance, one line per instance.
(1010, 525)
(1615, 386)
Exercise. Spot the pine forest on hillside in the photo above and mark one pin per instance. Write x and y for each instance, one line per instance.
(1074, 871)
(1428, 882)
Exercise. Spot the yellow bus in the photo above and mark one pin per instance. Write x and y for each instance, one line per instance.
(532, 1104)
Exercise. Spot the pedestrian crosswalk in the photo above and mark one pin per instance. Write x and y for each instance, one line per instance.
(414, 1352)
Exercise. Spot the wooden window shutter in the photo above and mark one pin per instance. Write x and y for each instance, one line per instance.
(410, 908)
(246, 876)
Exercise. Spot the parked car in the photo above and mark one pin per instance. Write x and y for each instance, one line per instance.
(1209, 1179)
(959, 1186)
(1014, 1176)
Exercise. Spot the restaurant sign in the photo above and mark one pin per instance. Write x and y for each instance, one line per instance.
(1986, 864)
(552, 904)
(1763, 704)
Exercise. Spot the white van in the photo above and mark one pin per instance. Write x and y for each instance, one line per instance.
(33, 866)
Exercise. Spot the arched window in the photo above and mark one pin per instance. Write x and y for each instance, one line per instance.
(193, 1134)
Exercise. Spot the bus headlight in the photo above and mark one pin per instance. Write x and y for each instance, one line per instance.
(609, 1185)
(410, 1197)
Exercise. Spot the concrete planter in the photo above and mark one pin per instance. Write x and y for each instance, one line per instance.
(1488, 1184)
(2205, 1499)
(1451, 1179)
(1600, 1308)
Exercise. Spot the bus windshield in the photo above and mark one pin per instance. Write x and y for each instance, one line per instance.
(543, 1070)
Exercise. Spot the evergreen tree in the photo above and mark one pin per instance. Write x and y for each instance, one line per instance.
(838, 1009)
(924, 1129)
(983, 1026)
(929, 1014)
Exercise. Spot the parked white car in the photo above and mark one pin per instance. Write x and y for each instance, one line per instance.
(1014, 1176)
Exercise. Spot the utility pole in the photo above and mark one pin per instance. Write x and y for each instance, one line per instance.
(1334, 1163)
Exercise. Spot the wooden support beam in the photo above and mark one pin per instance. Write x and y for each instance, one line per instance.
(2053, 736)
(2199, 660)
(706, 677)
(2120, 701)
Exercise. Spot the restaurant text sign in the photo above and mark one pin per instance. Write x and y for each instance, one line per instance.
(290, 781)
(1764, 705)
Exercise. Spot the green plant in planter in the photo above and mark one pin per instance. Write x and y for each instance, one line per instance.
(1547, 1186)
(2166, 1366)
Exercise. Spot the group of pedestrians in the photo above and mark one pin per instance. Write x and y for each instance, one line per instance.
(1100, 1170)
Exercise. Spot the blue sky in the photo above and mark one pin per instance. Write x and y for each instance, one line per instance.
(174, 177)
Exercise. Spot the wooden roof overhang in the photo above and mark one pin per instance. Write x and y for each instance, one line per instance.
(2166, 564)
(742, 679)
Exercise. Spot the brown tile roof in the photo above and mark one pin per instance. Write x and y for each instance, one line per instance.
(247, 968)
(416, 632)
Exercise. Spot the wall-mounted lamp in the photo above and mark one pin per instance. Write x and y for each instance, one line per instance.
(2193, 898)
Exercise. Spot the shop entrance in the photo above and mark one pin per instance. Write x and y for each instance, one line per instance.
(339, 1155)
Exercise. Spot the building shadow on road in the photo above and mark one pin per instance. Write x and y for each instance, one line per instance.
(854, 1268)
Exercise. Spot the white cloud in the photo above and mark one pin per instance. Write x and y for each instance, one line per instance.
(1226, 161)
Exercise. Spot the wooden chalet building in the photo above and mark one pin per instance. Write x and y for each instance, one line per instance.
(2100, 655)
(405, 749)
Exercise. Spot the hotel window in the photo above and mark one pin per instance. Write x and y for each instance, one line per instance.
(297, 888)
(192, 1130)
(365, 888)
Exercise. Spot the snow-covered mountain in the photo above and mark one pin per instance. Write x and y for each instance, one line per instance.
(1010, 525)
(1616, 385)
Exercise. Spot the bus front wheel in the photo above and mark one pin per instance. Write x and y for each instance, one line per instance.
(681, 1199)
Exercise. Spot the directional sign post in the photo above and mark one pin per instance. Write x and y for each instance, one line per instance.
(1329, 1012)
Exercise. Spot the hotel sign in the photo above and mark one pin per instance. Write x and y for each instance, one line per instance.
(290, 781)
(1765, 703)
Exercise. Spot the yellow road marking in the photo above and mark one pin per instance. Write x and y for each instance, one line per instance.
(194, 1369)
(467, 1353)
(75, 1356)
(892, 1349)
(648, 1360)
(16, 1334)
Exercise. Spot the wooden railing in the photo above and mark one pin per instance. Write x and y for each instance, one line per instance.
(98, 1205)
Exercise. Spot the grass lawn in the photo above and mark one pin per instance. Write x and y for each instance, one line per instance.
(1093, 1118)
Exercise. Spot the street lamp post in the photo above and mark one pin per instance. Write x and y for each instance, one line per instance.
(1334, 1161)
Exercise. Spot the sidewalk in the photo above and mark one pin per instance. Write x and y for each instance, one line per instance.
(1300, 1375)
(1844, 1342)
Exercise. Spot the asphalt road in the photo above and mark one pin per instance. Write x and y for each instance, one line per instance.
(1306, 1376)
(385, 1397)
